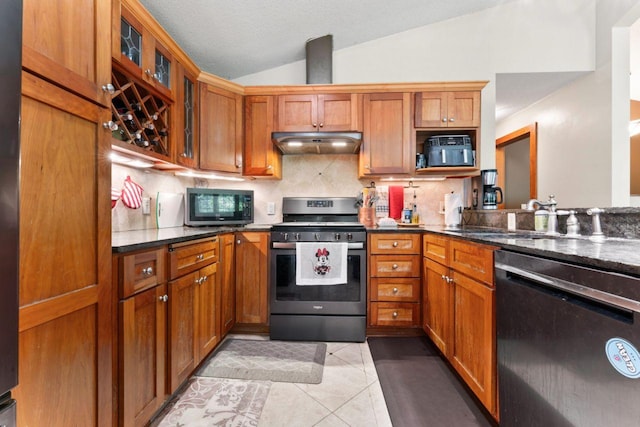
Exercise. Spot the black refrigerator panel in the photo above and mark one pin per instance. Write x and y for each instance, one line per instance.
(10, 69)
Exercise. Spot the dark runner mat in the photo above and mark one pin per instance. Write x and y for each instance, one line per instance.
(418, 387)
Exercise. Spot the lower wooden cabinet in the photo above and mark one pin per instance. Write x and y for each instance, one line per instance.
(227, 283)
(143, 348)
(459, 310)
(394, 280)
(252, 272)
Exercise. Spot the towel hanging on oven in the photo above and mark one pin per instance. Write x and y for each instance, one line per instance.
(321, 263)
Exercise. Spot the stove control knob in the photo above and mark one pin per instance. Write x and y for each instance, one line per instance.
(349, 236)
(285, 236)
(316, 236)
(337, 236)
(297, 236)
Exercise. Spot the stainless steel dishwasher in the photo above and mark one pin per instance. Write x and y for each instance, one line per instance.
(568, 341)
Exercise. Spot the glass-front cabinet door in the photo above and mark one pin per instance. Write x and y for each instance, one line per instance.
(186, 109)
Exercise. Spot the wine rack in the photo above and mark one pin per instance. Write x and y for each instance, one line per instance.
(140, 117)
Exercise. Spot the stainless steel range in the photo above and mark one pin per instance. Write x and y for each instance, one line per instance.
(317, 274)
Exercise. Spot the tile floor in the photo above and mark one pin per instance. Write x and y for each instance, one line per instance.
(349, 394)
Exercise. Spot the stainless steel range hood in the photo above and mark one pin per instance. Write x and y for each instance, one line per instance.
(317, 142)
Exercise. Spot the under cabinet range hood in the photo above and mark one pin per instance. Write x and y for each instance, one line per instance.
(317, 142)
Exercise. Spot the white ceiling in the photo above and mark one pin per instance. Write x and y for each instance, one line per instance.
(234, 38)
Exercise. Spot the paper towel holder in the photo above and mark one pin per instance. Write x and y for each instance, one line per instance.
(411, 185)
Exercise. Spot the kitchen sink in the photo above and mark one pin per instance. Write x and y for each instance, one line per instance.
(501, 234)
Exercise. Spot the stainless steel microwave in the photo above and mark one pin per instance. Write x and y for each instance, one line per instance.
(208, 206)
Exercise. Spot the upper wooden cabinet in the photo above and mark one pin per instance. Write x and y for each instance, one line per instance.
(139, 51)
(387, 142)
(186, 118)
(220, 129)
(447, 109)
(261, 157)
(318, 113)
(68, 43)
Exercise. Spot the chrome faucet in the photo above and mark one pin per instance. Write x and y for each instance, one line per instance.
(552, 224)
(597, 235)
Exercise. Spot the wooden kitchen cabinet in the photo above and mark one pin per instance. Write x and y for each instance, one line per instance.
(221, 129)
(65, 315)
(459, 307)
(387, 142)
(194, 306)
(261, 157)
(143, 348)
(318, 113)
(227, 283)
(394, 279)
(71, 50)
(251, 277)
(460, 109)
(187, 113)
(136, 47)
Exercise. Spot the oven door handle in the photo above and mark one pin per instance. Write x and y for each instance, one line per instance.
(286, 245)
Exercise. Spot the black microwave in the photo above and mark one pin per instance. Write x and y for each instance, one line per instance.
(207, 206)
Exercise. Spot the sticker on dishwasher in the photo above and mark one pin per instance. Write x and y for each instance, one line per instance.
(624, 357)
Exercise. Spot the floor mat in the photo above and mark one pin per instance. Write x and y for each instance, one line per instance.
(281, 361)
(418, 387)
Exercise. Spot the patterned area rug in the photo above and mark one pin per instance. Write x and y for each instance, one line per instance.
(218, 402)
(280, 361)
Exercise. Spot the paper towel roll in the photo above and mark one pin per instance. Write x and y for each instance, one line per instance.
(452, 209)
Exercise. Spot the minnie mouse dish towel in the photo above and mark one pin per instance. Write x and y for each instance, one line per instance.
(321, 263)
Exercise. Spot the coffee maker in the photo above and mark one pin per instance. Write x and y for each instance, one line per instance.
(491, 195)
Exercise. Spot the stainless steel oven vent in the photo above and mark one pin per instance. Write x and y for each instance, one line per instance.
(319, 52)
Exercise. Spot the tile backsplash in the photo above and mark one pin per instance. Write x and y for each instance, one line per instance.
(303, 175)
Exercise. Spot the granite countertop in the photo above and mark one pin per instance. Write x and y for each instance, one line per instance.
(126, 241)
(614, 254)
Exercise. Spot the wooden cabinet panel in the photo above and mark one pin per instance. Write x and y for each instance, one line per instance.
(141, 271)
(395, 244)
(192, 256)
(186, 115)
(182, 326)
(251, 277)
(261, 157)
(228, 283)
(142, 356)
(68, 43)
(395, 266)
(395, 289)
(58, 375)
(472, 259)
(208, 313)
(447, 109)
(338, 112)
(437, 305)
(298, 113)
(473, 352)
(387, 143)
(221, 130)
(395, 314)
(435, 247)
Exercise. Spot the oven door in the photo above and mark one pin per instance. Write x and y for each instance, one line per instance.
(343, 299)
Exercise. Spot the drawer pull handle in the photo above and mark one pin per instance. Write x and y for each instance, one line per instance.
(395, 290)
(199, 257)
(395, 314)
(394, 266)
(395, 244)
(147, 271)
(163, 298)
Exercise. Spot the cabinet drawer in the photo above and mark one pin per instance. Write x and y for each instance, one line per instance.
(435, 247)
(192, 256)
(395, 314)
(397, 243)
(395, 289)
(395, 266)
(142, 271)
(472, 259)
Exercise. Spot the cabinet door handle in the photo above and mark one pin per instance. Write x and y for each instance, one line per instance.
(163, 298)
(395, 314)
(452, 119)
(204, 278)
(108, 88)
(444, 277)
(148, 72)
(395, 244)
(111, 125)
(321, 124)
(238, 241)
(315, 125)
(395, 290)
(444, 120)
(394, 266)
